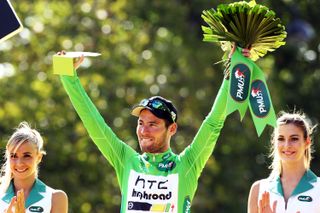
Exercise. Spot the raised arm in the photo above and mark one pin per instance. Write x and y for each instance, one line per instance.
(198, 152)
(108, 143)
(204, 142)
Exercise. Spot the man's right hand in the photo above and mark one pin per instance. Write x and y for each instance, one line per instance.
(76, 62)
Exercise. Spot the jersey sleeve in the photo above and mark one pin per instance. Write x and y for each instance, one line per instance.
(198, 152)
(115, 151)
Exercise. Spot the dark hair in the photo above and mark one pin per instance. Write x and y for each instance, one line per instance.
(171, 107)
(160, 107)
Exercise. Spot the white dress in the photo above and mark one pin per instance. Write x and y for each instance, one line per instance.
(39, 199)
(305, 197)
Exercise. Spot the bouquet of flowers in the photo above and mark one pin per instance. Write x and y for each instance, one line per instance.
(249, 25)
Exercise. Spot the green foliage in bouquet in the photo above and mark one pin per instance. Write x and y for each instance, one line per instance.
(247, 24)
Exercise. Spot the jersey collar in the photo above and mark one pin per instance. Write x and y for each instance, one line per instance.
(305, 184)
(158, 157)
(34, 196)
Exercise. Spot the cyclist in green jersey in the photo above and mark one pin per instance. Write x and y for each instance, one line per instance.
(158, 180)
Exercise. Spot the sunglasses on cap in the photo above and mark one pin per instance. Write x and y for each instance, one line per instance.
(158, 105)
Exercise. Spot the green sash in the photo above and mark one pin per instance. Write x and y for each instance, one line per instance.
(248, 88)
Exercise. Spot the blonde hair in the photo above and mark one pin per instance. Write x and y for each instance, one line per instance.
(23, 133)
(301, 121)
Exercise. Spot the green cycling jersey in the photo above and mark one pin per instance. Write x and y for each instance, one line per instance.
(148, 182)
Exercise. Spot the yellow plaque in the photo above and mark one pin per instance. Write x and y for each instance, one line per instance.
(63, 65)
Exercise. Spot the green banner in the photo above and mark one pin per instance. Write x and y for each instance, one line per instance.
(248, 88)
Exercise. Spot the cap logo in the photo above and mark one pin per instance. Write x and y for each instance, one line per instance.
(144, 102)
(173, 116)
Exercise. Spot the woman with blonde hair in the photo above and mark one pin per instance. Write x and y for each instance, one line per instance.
(292, 186)
(20, 189)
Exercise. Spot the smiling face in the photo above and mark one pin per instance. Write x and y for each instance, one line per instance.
(24, 160)
(153, 135)
(291, 144)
